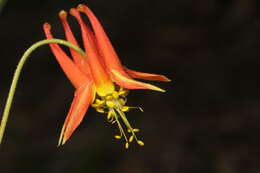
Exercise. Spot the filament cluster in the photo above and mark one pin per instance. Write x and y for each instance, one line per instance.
(113, 105)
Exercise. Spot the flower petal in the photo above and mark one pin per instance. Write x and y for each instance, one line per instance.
(82, 98)
(75, 75)
(69, 35)
(146, 76)
(105, 47)
(110, 57)
(80, 61)
(103, 83)
(128, 83)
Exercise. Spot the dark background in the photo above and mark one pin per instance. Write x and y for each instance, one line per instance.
(207, 121)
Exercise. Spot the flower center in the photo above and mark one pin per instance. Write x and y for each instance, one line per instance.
(114, 106)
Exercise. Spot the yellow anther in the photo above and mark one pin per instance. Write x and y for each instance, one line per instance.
(131, 138)
(110, 104)
(118, 137)
(141, 143)
(122, 101)
(126, 145)
(125, 108)
(136, 130)
(114, 107)
(98, 103)
(133, 130)
(108, 98)
(109, 115)
(122, 92)
(97, 100)
(94, 105)
(100, 110)
(115, 95)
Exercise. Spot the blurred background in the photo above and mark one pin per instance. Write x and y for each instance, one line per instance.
(208, 121)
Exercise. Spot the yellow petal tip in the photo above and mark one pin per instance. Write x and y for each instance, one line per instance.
(155, 88)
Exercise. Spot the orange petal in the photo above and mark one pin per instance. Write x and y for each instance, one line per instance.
(80, 61)
(82, 98)
(146, 76)
(110, 57)
(89, 40)
(75, 75)
(69, 35)
(104, 45)
(85, 30)
(103, 83)
(128, 83)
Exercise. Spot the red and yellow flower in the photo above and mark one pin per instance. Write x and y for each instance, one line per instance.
(99, 78)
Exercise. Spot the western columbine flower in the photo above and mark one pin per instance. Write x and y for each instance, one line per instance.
(100, 79)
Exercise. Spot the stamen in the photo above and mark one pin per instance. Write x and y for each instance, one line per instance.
(115, 95)
(110, 104)
(127, 108)
(109, 98)
(141, 143)
(136, 130)
(119, 126)
(100, 110)
(114, 106)
(118, 137)
(123, 92)
(122, 101)
(98, 103)
(131, 138)
(109, 115)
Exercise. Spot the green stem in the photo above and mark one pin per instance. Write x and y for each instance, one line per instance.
(18, 72)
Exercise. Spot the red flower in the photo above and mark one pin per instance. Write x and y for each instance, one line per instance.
(100, 79)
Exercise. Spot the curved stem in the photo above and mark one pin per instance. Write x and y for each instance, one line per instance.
(18, 72)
